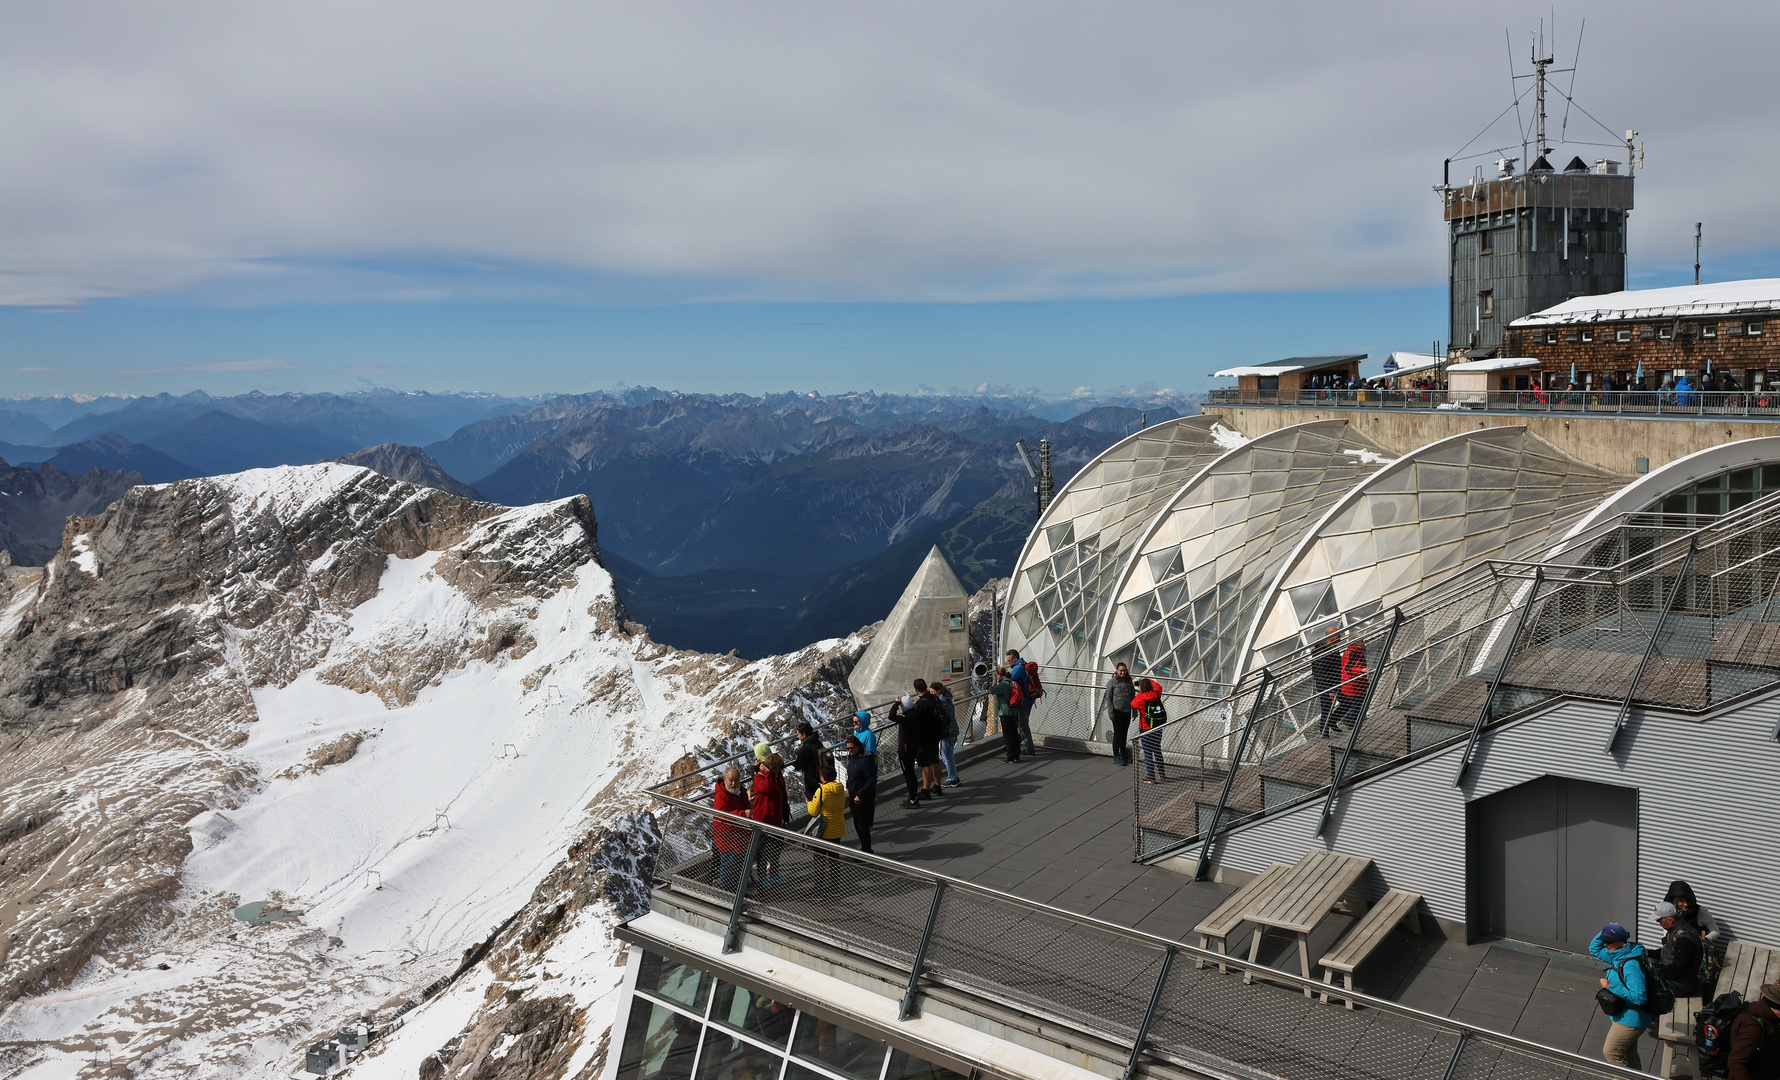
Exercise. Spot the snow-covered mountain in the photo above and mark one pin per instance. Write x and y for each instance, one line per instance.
(415, 724)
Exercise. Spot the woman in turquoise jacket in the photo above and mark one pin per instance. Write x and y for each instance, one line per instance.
(1614, 947)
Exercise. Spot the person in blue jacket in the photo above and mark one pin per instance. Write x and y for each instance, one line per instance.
(1614, 947)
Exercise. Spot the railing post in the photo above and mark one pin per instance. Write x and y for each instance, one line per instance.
(1496, 679)
(1353, 729)
(1149, 1013)
(1625, 707)
(908, 995)
(732, 938)
(1217, 816)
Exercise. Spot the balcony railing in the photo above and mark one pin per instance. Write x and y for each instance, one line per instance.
(1756, 404)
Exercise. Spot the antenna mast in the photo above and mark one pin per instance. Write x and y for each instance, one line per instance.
(1539, 67)
(1696, 252)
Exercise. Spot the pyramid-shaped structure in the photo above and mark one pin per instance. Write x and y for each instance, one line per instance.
(926, 636)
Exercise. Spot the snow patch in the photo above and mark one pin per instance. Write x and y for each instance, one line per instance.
(1369, 457)
(83, 555)
(1228, 438)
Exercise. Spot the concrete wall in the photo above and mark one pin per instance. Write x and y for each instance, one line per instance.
(1612, 442)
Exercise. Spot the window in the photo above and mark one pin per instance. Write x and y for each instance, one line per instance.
(1709, 330)
(1588, 335)
(1487, 239)
(1622, 334)
(1648, 333)
(1486, 301)
(1551, 337)
(1666, 333)
(1754, 329)
(955, 621)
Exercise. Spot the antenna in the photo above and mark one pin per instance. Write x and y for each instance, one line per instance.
(1696, 252)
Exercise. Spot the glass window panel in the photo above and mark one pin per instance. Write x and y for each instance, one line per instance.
(1154, 643)
(1172, 594)
(659, 1043)
(1039, 576)
(729, 1058)
(833, 1046)
(904, 1067)
(1743, 480)
(674, 981)
(1060, 535)
(756, 1014)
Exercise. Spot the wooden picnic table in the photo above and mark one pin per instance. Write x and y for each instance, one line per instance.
(1299, 902)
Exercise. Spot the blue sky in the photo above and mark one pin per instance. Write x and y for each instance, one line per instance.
(797, 194)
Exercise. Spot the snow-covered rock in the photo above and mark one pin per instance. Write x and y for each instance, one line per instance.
(421, 721)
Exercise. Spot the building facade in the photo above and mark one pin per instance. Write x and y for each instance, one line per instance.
(1726, 328)
(1518, 244)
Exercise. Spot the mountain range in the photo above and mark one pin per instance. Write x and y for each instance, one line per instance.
(733, 521)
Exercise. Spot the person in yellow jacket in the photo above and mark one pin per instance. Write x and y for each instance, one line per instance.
(830, 804)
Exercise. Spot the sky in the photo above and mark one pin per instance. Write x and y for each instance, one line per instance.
(533, 197)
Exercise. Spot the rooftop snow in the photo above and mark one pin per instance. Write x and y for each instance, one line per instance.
(1289, 365)
(1500, 363)
(1719, 298)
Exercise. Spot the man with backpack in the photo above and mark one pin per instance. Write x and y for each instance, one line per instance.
(1023, 676)
(1755, 1038)
(942, 694)
(1631, 994)
(1678, 962)
(1007, 714)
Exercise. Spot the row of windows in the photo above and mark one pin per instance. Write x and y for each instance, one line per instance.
(1725, 492)
(686, 1024)
(1649, 332)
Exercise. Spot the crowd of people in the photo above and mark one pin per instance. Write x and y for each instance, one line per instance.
(1640, 985)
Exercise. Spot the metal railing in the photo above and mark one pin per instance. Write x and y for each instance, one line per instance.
(1641, 609)
(1074, 707)
(1150, 998)
(1756, 405)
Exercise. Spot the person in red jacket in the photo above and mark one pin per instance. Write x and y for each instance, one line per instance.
(770, 805)
(1353, 683)
(730, 839)
(1147, 704)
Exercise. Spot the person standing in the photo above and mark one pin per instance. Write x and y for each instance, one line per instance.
(1755, 1038)
(1147, 703)
(862, 789)
(1325, 667)
(807, 760)
(1625, 979)
(948, 745)
(1016, 670)
(863, 732)
(1119, 692)
(1354, 680)
(1007, 714)
(730, 839)
(830, 804)
(769, 804)
(901, 711)
(930, 728)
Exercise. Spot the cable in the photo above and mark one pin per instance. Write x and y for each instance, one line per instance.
(1573, 63)
(1492, 123)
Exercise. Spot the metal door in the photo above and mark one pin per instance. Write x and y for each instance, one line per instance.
(1553, 860)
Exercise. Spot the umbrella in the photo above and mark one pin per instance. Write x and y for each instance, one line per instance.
(1572, 371)
(1640, 371)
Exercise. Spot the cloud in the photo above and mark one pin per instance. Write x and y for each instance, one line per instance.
(789, 149)
(212, 367)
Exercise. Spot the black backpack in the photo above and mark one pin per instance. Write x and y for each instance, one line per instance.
(1712, 1033)
(1659, 1000)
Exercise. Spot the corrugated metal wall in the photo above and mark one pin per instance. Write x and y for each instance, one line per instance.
(1707, 791)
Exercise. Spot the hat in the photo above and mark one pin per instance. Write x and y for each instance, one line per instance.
(1666, 910)
(1771, 993)
(1615, 932)
(762, 751)
(908, 701)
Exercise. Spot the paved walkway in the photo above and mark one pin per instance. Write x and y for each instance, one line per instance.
(1057, 829)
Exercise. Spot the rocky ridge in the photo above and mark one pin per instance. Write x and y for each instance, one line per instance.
(380, 706)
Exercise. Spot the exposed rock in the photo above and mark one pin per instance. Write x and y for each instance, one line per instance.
(410, 463)
(35, 505)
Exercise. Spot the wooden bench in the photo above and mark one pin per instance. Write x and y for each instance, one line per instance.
(1220, 924)
(1747, 968)
(1364, 936)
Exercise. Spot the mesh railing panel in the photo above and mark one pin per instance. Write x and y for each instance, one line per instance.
(1080, 973)
(1702, 628)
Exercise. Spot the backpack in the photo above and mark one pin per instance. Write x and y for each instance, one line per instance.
(1016, 697)
(1154, 714)
(1036, 688)
(1659, 999)
(1712, 1033)
(1711, 963)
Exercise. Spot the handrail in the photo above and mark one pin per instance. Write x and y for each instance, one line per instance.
(1753, 404)
(1569, 1060)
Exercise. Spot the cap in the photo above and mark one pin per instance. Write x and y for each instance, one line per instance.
(908, 701)
(1615, 932)
(1771, 993)
(762, 751)
(1666, 910)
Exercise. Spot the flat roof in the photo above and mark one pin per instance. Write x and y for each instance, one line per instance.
(1409, 363)
(1500, 363)
(1716, 298)
(1289, 365)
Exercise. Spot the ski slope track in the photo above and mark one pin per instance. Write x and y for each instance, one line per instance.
(419, 722)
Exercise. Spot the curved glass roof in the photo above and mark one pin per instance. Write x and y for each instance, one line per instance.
(1498, 492)
(1075, 552)
(1205, 564)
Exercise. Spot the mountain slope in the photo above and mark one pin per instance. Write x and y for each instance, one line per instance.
(35, 505)
(409, 463)
(382, 707)
(113, 452)
(217, 442)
